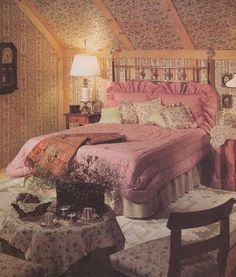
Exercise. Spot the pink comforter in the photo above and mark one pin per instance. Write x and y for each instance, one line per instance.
(151, 156)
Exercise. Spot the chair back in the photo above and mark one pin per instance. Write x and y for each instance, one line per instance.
(185, 220)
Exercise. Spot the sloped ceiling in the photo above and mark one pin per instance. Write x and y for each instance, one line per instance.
(146, 23)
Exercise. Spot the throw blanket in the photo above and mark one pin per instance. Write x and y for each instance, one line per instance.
(51, 157)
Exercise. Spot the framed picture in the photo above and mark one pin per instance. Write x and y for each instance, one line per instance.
(8, 67)
(225, 78)
(227, 101)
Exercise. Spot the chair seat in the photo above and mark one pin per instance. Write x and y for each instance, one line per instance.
(14, 267)
(151, 259)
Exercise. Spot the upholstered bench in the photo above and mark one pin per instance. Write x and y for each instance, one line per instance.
(14, 267)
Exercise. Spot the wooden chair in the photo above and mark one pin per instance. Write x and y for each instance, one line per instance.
(173, 257)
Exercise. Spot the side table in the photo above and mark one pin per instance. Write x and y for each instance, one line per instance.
(59, 247)
(81, 118)
(223, 139)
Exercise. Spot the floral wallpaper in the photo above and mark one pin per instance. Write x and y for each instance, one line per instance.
(33, 108)
(76, 21)
(210, 24)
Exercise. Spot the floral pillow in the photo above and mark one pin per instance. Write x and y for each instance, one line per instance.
(144, 109)
(178, 116)
(128, 113)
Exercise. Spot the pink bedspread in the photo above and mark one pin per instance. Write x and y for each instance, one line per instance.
(151, 156)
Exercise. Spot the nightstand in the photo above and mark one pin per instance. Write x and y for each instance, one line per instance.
(81, 118)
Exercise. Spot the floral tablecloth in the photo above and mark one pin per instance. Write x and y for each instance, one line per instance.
(219, 134)
(223, 139)
(57, 248)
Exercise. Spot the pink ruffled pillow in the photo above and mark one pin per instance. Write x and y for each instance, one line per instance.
(129, 97)
(118, 97)
(178, 116)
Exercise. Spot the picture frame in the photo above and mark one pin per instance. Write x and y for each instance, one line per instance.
(227, 101)
(8, 67)
(225, 78)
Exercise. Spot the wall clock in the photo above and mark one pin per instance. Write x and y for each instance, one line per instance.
(8, 67)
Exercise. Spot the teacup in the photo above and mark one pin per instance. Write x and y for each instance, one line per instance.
(87, 213)
(48, 218)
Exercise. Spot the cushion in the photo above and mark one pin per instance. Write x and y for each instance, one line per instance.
(178, 116)
(12, 266)
(144, 109)
(128, 113)
(110, 115)
(156, 118)
(151, 259)
(193, 101)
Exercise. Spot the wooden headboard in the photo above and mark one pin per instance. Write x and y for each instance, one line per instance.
(150, 69)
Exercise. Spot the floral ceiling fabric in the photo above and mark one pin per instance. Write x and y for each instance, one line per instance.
(147, 24)
(75, 21)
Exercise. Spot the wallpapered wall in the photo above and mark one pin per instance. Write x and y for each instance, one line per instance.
(33, 108)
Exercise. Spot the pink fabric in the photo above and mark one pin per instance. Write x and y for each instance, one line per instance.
(151, 156)
(207, 96)
(130, 97)
(118, 97)
(224, 176)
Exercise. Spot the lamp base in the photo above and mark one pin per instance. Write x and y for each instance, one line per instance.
(85, 108)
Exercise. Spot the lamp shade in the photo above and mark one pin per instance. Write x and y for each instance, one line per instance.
(85, 66)
(232, 82)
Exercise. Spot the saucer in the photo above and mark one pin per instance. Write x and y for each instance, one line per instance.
(53, 224)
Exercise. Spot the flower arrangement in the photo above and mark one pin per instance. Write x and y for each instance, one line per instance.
(85, 184)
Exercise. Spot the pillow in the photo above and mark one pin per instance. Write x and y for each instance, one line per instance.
(193, 101)
(178, 116)
(144, 109)
(128, 113)
(156, 118)
(110, 115)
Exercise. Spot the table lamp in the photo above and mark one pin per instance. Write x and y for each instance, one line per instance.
(85, 66)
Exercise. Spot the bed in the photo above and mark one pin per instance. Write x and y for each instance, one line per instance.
(159, 164)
